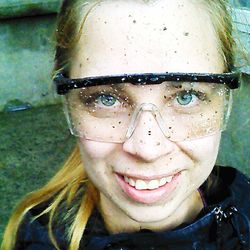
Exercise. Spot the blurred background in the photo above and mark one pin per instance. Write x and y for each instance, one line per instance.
(34, 140)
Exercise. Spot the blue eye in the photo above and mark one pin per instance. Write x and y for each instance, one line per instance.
(106, 100)
(185, 97)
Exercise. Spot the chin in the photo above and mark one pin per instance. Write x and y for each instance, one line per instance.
(155, 212)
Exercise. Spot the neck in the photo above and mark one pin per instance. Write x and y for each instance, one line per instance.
(116, 221)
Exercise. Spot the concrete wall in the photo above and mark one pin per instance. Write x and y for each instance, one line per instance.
(26, 61)
(26, 52)
(18, 8)
(235, 143)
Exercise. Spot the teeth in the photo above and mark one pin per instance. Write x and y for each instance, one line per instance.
(169, 178)
(126, 179)
(163, 181)
(143, 184)
(131, 182)
(153, 184)
(140, 184)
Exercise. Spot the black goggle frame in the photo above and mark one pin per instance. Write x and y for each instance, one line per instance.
(64, 84)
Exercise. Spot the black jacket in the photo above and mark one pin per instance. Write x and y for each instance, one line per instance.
(224, 224)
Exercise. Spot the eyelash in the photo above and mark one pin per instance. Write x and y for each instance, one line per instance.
(200, 95)
(188, 99)
(92, 98)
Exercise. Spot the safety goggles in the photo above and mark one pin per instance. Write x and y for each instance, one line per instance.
(185, 106)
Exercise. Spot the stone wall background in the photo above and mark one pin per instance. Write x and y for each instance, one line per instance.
(26, 61)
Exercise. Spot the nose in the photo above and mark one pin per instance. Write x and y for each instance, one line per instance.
(148, 141)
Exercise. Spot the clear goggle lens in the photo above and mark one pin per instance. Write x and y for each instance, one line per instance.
(183, 111)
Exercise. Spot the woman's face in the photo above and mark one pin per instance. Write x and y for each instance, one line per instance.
(132, 37)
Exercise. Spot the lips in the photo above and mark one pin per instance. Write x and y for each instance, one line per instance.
(148, 190)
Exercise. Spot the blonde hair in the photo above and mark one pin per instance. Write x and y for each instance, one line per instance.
(71, 180)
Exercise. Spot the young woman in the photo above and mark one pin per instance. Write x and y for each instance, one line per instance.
(147, 88)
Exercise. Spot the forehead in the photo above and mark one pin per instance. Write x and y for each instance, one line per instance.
(132, 36)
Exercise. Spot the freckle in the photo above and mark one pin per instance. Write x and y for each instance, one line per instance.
(141, 141)
(119, 122)
(170, 159)
(186, 33)
(80, 65)
(134, 21)
(87, 59)
(170, 127)
(113, 126)
(165, 28)
(158, 144)
(149, 132)
(216, 112)
(105, 22)
(125, 54)
(175, 51)
(129, 16)
(165, 97)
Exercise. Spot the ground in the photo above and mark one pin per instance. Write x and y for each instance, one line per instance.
(33, 145)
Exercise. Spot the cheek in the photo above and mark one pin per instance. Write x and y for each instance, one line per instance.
(97, 150)
(95, 157)
(204, 153)
(204, 149)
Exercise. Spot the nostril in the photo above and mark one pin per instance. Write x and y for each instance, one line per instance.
(148, 150)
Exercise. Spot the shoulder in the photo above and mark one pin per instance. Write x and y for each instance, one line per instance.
(33, 233)
(239, 186)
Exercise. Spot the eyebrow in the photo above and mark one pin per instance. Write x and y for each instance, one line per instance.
(113, 87)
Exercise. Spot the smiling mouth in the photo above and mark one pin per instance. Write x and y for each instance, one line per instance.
(140, 184)
(147, 190)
